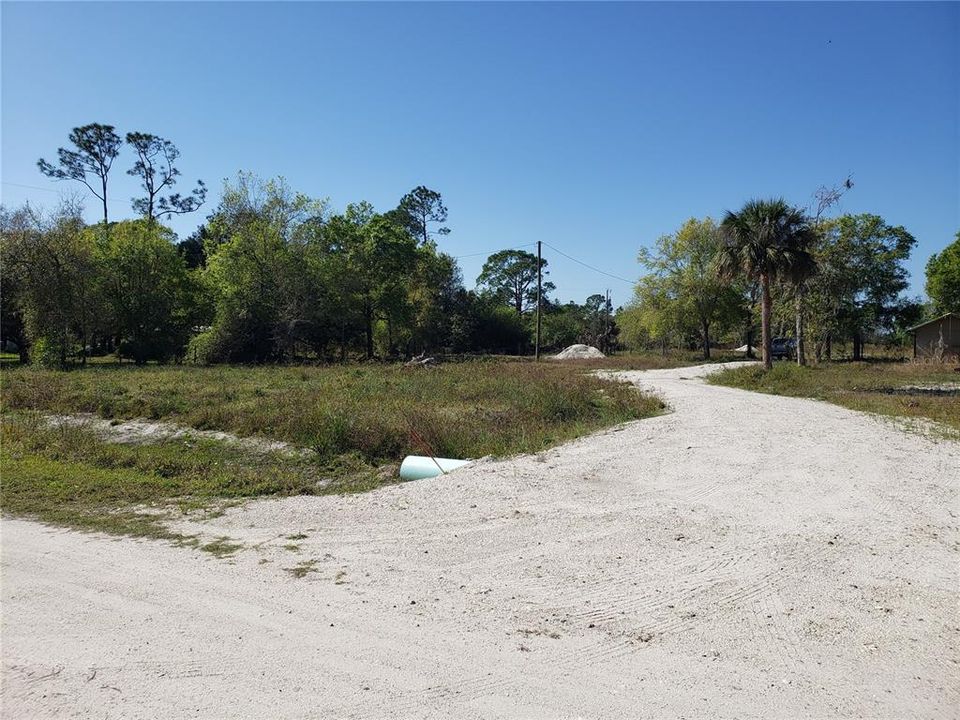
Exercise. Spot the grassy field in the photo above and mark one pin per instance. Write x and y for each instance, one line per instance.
(866, 386)
(355, 421)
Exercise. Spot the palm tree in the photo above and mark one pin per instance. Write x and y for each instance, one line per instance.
(767, 240)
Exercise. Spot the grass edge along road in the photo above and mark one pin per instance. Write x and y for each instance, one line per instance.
(356, 423)
(872, 387)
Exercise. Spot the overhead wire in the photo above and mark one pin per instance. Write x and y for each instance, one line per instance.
(52, 190)
(590, 267)
(491, 252)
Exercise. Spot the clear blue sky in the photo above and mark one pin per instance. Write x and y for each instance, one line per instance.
(595, 127)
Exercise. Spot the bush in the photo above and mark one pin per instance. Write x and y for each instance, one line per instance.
(48, 352)
(204, 349)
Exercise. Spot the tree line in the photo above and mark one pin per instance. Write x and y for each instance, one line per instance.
(274, 275)
(818, 280)
(271, 275)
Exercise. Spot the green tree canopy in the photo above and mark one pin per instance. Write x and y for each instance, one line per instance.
(418, 209)
(860, 277)
(259, 270)
(50, 276)
(511, 277)
(943, 278)
(682, 273)
(147, 288)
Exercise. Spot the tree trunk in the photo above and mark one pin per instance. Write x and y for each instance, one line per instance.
(706, 339)
(801, 348)
(104, 184)
(857, 346)
(63, 349)
(828, 347)
(765, 321)
(750, 341)
(368, 326)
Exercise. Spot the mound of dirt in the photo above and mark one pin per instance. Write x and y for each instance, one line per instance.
(579, 352)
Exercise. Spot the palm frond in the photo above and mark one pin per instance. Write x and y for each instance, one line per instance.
(766, 237)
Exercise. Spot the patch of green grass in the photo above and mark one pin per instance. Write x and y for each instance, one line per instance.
(360, 420)
(376, 413)
(80, 496)
(865, 386)
(67, 475)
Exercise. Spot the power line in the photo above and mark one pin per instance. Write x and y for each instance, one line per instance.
(51, 190)
(491, 252)
(591, 267)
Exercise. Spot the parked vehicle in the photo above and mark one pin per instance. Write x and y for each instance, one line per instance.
(783, 348)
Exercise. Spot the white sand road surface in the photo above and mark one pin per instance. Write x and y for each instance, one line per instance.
(744, 556)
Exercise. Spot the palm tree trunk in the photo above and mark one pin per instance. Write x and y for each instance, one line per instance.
(801, 347)
(765, 321)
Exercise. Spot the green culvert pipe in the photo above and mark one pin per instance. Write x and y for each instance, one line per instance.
(418, 467)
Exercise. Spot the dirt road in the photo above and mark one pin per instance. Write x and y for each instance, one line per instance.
(743, 556)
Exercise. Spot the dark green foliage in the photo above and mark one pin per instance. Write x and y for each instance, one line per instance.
(861, 274)
(97, 146)
(511, 277)
(146, 286)
(591, 323)
(50, 276)
(943, 278)
(155, 166)
(417, 210)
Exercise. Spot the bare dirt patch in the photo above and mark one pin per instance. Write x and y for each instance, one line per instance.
(151, 431)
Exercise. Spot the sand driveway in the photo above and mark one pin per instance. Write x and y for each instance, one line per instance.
(744, 556)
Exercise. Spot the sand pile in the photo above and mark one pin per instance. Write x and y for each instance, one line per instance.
(579, 352)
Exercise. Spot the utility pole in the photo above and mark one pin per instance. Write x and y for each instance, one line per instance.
(536, 351)
(606, 323)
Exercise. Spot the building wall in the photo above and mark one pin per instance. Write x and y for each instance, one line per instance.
(928, 337)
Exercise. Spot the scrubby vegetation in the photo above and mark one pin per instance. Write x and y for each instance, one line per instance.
(876, 387)
(351, 420)
(465, 410)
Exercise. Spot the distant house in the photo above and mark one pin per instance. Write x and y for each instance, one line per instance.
(939, 337)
